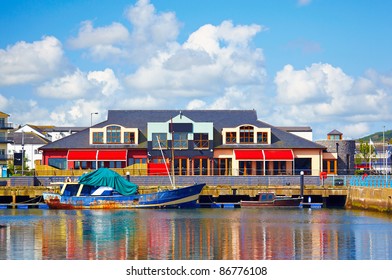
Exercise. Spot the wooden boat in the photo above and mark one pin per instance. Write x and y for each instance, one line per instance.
(106, 189)
(269, 199)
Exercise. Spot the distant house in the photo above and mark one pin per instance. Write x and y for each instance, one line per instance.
(50, 132)
(204, 142)
(29, 144)
(301, 131)
(338, 157)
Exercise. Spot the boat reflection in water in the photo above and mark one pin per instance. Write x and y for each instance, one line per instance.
(230, 234)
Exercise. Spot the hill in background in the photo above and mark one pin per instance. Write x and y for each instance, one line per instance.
(378, 136)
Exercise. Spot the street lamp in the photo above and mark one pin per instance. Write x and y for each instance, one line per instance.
(91, 118)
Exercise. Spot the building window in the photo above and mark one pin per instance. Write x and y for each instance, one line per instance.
(246, 134)
(97, 137)
(222, 166)
(231, 137)
(200, 141)
(262, 137)
(113, 134)
(200, 166)
(129, 137)
(180, 140)
(162, 140)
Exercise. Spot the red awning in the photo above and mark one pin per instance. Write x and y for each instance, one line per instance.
(82, 155)
(248, 154)
(279, 155)
(112, 155)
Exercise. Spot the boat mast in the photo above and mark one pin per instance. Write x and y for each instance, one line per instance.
(164, 160)
(172, 153)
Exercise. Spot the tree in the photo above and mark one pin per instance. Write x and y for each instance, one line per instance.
(366, 153)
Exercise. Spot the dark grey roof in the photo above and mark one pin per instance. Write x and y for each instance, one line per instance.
(335, 132)
(28, 138)
(220, 118)
(295, 128)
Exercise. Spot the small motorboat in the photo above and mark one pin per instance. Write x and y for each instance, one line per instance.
(269, 199)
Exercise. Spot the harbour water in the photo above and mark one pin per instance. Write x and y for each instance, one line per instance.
(195, 234)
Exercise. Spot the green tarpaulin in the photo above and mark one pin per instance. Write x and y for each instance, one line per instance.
(109, 178)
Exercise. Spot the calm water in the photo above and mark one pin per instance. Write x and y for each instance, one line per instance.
(219, 234)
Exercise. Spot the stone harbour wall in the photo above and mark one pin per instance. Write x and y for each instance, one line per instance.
(368, 198)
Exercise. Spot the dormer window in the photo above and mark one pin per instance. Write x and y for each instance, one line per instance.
(246, 134)
(180, 140)
(231, 137)
(159, 139)
(200, 140)
(113, 134)
(129, 137)
(262, 137)
(98, 138)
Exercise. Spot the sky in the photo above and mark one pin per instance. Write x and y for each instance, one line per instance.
(326, 64)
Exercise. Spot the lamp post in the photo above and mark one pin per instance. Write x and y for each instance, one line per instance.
(22, 152)
(91, 117)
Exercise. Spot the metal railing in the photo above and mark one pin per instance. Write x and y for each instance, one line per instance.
(371, 181)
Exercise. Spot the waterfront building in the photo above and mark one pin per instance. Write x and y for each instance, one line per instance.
(338, 157)
(5, 127)
(27, 143)
(204, 142)
(50, 132)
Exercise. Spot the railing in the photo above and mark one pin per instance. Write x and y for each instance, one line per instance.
(6, 140)
(371, 181)
(6, 125)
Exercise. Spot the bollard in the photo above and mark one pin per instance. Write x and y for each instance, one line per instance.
(301, 183)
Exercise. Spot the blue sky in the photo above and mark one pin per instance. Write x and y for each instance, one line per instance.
(319, 63)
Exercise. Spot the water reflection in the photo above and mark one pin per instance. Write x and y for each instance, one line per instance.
(227, 234)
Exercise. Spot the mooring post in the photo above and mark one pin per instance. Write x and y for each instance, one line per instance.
(14, 199)
(301, 183)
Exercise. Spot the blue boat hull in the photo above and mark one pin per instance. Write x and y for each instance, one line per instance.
(176, 198)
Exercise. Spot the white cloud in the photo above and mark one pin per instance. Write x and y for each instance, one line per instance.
(106, 80)
(3, 102)
(79, 85)
(150, 27)
(322, 93)
(89, 36)
(71, 86)
(30, 62)
(211, 60)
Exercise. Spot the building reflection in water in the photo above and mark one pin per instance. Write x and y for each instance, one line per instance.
(219, 234)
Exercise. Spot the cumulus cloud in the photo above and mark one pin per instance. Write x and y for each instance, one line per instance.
(151, 31)
(103, 42)
(67, 87)
(211, 60)
(3, 102)
(324, 93)
(106, 80)
(150, 27)
(79, 84)
(30, 62)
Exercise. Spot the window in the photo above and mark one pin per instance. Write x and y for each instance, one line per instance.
(262, 137)
(162, 140)
(200, 140)
(60, 163)
(129, 137)
(246, 134)
(113, 134)
(97, 137)
(231, 137)
(222, 166)
(180, 140)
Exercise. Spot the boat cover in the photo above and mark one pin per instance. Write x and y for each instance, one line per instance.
(105, 177)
